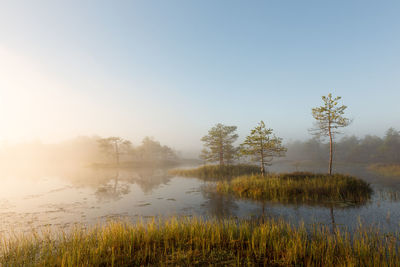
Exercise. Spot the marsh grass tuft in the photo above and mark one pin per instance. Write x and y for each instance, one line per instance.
(195, 242)
(212, 172)
(300, 187)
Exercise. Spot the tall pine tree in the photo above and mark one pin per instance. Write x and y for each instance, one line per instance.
(329, 118)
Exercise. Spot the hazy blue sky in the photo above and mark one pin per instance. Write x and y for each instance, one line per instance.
(172, 69)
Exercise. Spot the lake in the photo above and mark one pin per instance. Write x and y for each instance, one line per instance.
(62, 197)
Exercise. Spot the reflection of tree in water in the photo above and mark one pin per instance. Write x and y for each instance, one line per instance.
(219, 205)
(333, 219)
(118, 184)
(112, 183)
(150, 178)
(114, 189)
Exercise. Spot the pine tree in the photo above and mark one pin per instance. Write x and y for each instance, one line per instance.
(262, 146)
(329, 118)
(218, 144)
(114, 146)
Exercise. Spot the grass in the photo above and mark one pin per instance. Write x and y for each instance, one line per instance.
(194, 242)
(392, 170)
(301, 187)
(216, 171)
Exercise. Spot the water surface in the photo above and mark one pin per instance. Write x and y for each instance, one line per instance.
(63, 197)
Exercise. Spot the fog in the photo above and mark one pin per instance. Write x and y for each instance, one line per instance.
(37, 105)
(86, 150)
(76, 180)
(82, 151)
(245, 116)
(351, 149)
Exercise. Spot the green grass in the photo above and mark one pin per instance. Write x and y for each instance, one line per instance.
(307, 188)
(391, 170)
(216, 171)
(194, 242)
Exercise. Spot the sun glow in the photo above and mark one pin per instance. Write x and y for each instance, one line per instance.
(35, 105)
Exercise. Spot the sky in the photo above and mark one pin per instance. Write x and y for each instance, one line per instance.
(173, 69)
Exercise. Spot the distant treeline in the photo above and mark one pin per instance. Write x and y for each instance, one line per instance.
(370, 149)
(81, 150)
(121, 150)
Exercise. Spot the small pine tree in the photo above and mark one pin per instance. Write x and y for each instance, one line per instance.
(262, 146)
(219, 144)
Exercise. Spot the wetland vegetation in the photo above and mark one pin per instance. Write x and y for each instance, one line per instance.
(197, 242)
(390, 170)
(306, 188)
(215, 172)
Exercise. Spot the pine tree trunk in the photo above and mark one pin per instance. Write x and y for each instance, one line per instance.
(330, 152)
(221, 152)
(262, 161)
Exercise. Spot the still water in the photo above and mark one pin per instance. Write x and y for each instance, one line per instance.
(62, 198)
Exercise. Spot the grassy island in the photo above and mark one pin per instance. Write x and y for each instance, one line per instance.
(194, 242)
(216, 171)
(299, 188)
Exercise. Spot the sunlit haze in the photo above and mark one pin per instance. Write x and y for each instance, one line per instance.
(199, 133)
(172, 69)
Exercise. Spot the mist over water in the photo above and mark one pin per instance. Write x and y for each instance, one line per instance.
(252, 118)
(33, 197)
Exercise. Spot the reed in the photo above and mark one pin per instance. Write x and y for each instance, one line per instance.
(195, 242)
(391, 170)
(301, 187)
(212, 172)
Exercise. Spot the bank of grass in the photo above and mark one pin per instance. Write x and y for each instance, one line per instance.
(194, 242)
(300, 187)
(216, 171)
(390, 170)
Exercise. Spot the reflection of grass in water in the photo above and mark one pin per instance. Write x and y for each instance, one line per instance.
(389, 195)
(308, 188)
(192, 192)
(188, 242)
(392, 170)
(216, 171)
(136, 164)
(143, 205)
